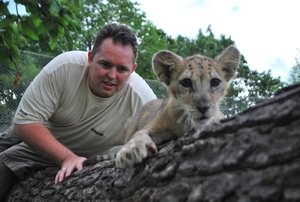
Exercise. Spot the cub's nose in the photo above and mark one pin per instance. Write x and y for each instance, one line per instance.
(203, 109)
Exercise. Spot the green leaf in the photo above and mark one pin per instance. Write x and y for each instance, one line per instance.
(3, 8)
(23, 39)
(41, 28)
(71, 19)
(15, 49)
(55, 7)
(53, 42)
(69, 40)
(48, 26)
(29, 28)
(7, 40)
(6, 22)
(4, 56)
(13, 29)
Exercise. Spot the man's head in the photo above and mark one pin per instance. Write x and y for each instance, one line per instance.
(112, 60)
(120, 34)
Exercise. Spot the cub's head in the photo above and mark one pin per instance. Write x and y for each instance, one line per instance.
(197, 84)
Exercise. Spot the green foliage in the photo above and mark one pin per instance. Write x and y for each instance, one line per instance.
(96, 13)
(152, 41)
(294, 74)
(52, 17)
(9, 95)
(206, 44)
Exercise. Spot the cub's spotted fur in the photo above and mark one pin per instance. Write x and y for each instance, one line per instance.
(196, 85)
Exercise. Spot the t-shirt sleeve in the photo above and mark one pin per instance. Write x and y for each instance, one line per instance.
(40, 99)
(142, 93)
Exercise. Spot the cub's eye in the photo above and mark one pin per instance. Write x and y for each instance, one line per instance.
(215, 82)
(187, 83)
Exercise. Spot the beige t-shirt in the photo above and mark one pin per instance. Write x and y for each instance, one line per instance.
(60, 98)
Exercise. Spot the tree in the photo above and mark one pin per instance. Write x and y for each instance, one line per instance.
(57, 18)
(11, 96)
(96, 13)
(294, 74)
(152, 40)
(10, 92)
(254, 156)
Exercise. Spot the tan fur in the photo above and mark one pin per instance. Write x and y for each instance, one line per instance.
(196, 85)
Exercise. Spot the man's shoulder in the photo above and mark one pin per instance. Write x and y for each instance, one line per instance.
(140, 88)
(135, 81)
(71, 59)
(74, 55)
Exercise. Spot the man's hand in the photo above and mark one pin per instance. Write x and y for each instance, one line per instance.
(39, 139)
(69, 164)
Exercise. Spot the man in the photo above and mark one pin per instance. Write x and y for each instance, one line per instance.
(76, 108)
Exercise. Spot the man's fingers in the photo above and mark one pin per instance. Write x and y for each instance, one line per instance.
(56, 179)
(68, 167)
(61, 174)
(79, 167)
(68, 172)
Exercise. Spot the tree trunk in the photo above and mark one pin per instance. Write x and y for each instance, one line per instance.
(253, 156)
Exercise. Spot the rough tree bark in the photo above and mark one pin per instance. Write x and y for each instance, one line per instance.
(253, 156)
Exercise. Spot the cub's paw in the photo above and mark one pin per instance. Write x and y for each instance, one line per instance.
(135, 150)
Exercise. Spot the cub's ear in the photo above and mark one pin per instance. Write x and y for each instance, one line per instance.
(228, 62)
(164, 64)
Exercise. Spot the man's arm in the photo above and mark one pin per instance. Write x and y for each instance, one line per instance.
(39, 138)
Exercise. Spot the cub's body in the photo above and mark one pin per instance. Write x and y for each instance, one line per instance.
(196, 86)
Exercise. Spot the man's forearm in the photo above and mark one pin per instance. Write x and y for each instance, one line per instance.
(39, 138)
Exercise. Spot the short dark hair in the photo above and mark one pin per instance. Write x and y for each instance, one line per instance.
(119, 34)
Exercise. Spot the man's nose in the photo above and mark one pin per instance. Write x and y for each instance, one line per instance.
(112, 73)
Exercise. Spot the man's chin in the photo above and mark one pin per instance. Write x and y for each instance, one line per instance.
(104, 93)
(107, 95)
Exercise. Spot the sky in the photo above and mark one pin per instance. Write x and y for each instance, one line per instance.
(267, 32)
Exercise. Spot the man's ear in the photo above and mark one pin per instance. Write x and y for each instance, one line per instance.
(164, 64)
(90, 57)
(228, 62)
(134, 67)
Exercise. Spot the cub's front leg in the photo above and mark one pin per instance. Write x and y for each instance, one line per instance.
(135, 150)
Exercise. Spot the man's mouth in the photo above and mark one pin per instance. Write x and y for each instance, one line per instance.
(108, 83)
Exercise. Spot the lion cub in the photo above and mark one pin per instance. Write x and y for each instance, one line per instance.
(196, 86)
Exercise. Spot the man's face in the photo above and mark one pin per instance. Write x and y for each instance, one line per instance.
(110, 68)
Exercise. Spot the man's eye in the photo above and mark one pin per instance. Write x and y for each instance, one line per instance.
(122, 69)
(104, 64)
(187, 83)
(215, 82)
